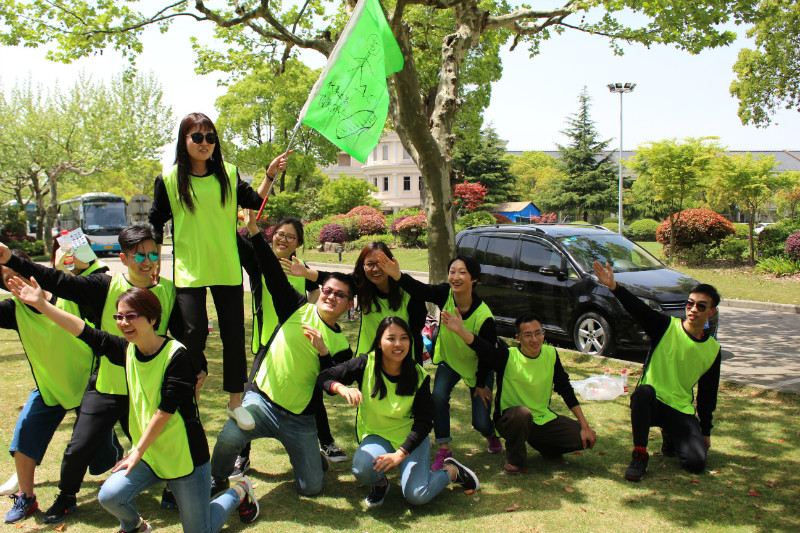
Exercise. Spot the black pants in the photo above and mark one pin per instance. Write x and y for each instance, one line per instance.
(684, 430)
(94, 425)
(552, 439)
(229, 301)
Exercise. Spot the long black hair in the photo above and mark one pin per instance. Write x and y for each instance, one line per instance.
(368, 300)
(215, 166)
(409, 381)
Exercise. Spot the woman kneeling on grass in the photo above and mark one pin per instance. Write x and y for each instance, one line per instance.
(393, 419)
(160, 383)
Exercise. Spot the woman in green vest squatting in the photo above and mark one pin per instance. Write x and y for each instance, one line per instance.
(164, 422)
(61, 365)
(287, 236)
(200, 194)
(460, 354)
(526, 379)
(394, 418)
(681, 356)
(377, 296)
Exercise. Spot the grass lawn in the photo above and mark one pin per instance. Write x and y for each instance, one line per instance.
(752, 483)
(740, 283)
(409, 258)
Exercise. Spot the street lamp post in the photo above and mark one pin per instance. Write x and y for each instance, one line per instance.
(620, 88)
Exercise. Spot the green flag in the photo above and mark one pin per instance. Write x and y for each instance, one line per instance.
(350, 101)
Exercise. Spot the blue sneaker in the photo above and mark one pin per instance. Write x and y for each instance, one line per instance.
(23, 507)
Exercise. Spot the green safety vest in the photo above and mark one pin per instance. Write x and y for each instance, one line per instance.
(61, 364)
(111, 377)
(71, 307)
(169, 455)
(263, 333)
(204, 240)
(676, 365)
(371, 320)
(529, 382)
(452, 350)
(389, 417)
(288, 373)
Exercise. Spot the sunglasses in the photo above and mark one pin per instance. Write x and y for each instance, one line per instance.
(339, 295)
(130, 317)
(699, 305)
(139, 257)
(197, 137)
(285, 236)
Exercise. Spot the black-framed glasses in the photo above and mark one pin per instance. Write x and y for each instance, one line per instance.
(197, 137)
(699, 305)
(130, 317)
(139, 257)
(339, 295)
(285, 236)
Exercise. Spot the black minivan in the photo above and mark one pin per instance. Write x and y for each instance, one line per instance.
(547, 269)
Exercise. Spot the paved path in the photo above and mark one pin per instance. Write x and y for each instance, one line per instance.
(759, 347)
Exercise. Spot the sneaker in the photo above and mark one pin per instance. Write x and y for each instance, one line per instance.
(638, 467)
(324, 460)
(168, 500)
(510, 469)
(334, 453)
(23, 507)
(495, 446)
(248, 508)
(218, 486)
(465, 477)
(438, 461)
(10, 487)
(240, 467)
(667, 449)
(65, 504)
(243, 418)
(143, 527)
(377, 494)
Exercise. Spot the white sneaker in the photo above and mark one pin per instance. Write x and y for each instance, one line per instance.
(10, 487)
(243, 418)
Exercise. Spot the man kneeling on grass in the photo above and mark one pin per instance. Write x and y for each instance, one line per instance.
(681, 356)
(526, 378)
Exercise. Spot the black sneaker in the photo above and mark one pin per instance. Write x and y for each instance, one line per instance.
(168, 500)
(465, 477)
(334, 453)
(638, 467)
(667, 449)
(377, 494)
(248, 508)
(218, 486)
(240, 467)
(65, 504)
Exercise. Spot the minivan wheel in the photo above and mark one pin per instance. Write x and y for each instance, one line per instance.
(593, 335)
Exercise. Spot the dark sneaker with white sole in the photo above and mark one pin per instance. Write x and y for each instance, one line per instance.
(248, 508)
(638, 467)
(377, 494)
(240, 467)
(465, 477)
(334, 453)
(65, 504)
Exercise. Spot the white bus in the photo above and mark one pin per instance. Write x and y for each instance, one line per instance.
(101, 216)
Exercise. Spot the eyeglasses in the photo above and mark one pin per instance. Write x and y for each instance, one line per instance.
(371, 266)
(285, 236)
(130, 317)
(197, 137)
(699, 305)
(339, 295)
(139, 257)
(529, 336)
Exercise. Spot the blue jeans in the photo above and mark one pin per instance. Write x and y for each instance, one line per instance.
(297, 433)
(197, 515)
(418, 483)
(443, 384)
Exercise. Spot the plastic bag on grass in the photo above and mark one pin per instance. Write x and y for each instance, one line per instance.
(599, 387)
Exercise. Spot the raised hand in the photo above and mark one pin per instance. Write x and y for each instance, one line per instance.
(5, 253)
(452, 321)
(250, 221)
(605, 275)
(30, 294)
(390, 266)
(294, 267)
(315, 337)
(278, 164)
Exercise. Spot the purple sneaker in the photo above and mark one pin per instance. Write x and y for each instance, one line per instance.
(495, 446)
(438, 461)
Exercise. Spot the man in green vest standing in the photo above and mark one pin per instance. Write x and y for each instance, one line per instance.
(681, 356)
(526, 379)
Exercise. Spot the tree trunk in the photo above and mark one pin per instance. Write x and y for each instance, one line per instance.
(38, 198)
(752, 241)
(51, 211)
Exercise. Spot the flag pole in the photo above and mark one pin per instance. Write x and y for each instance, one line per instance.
(289, 147)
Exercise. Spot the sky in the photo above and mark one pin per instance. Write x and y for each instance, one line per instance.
(676, 95)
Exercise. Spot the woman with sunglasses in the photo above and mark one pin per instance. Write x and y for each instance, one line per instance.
(200, 194)
(462, 349)
(169, 440)
(394, 418)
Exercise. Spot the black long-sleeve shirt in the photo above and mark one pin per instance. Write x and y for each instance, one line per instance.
(655, 324)
(177, 388)
(352, 371)
(483, 343)
(161, 211)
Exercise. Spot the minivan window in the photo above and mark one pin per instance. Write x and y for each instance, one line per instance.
(533, 256)
(622, 254)
(467, 244)
(500, 252)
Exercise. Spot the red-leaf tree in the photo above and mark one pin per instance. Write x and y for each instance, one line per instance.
(469, 196)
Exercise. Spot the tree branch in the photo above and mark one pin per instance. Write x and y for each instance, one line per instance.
(516, 20)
